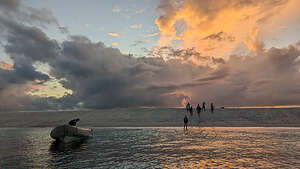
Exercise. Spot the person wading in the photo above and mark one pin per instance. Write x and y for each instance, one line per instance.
(188, 107)
(191, 111)
(185, 120)
(198, 109)
(212, 107)
(203, 106)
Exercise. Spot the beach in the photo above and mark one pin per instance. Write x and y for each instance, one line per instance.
(156, 117)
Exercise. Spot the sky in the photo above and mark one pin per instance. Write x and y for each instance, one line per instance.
(63, 54)
(127, 25)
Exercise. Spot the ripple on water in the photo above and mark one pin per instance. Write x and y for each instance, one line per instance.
(217, 147)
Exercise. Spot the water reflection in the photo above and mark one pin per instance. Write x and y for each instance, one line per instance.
(204, 147)
(57, 146)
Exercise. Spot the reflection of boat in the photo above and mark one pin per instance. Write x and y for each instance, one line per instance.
(58, 146)
(68, 133)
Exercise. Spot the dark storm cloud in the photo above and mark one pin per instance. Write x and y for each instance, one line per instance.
(29, 42)
(13, 11)
(11, 4)
(24, 46)
(104, 75)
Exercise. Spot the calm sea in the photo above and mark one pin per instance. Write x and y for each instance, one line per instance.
(207, 147)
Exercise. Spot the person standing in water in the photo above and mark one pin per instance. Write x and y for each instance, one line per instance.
(198, 109)
(191, 110)
(212, 107)
(188, 107)
(185, 120)
(203, 106)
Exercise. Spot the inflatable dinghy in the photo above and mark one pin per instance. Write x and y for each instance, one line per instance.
(68, 133)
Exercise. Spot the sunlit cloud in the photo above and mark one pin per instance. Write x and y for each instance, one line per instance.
(220, 26)
(136, 26)
(114, 45)
(116, 9)
(140, 11)
(6, 66)
(114, 34)
(151, 35)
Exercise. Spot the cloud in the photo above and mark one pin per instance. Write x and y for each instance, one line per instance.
(221, 26)
(114, 44)
(6, 66)
(220, 36)
(12, 4)
(116, 9)
(151, 35)
(140, 11)
(114, 34)
(138, 42)
(64, 30)
(255, 44)
(136, 26)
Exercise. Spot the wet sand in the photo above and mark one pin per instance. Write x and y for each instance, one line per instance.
(154, 117)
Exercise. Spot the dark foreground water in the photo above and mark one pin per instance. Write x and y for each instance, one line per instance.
(217, 147)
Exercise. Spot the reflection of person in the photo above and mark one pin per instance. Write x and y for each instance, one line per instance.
(212, 107)
(188, 107)
(185, 120)
(73, 122)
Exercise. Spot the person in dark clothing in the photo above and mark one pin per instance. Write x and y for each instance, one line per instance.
(73, 122)
(198, 109)
(212, 108)
(188, 107)
(191, 111)
(185, 120)
(203, 106)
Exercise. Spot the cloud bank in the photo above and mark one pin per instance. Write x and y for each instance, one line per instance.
(103, 77)
(219, 28)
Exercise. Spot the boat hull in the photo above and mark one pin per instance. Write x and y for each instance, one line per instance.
(67, 133)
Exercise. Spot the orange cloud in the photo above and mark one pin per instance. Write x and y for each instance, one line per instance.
(151, 35)
(255, 44)
(6, 66)
(136, 26)
(116, 9)
(218, 28)
(114, 34)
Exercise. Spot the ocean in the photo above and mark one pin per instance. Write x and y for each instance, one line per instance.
(154, 138)
(154, 147)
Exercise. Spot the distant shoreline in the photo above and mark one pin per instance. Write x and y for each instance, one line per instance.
(153, 117)
(178, 108)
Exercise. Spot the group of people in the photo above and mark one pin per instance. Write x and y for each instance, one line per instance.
(190, 110)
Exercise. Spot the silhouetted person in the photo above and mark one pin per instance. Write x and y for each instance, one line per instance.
(185, 120)
(191, 111)
(203, 106)
(73, 122)
(188, 107)
(212, 108)
(198, 109)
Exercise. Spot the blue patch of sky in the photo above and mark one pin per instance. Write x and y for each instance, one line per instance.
(96, 18)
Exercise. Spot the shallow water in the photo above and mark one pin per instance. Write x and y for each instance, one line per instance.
(217, 147)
